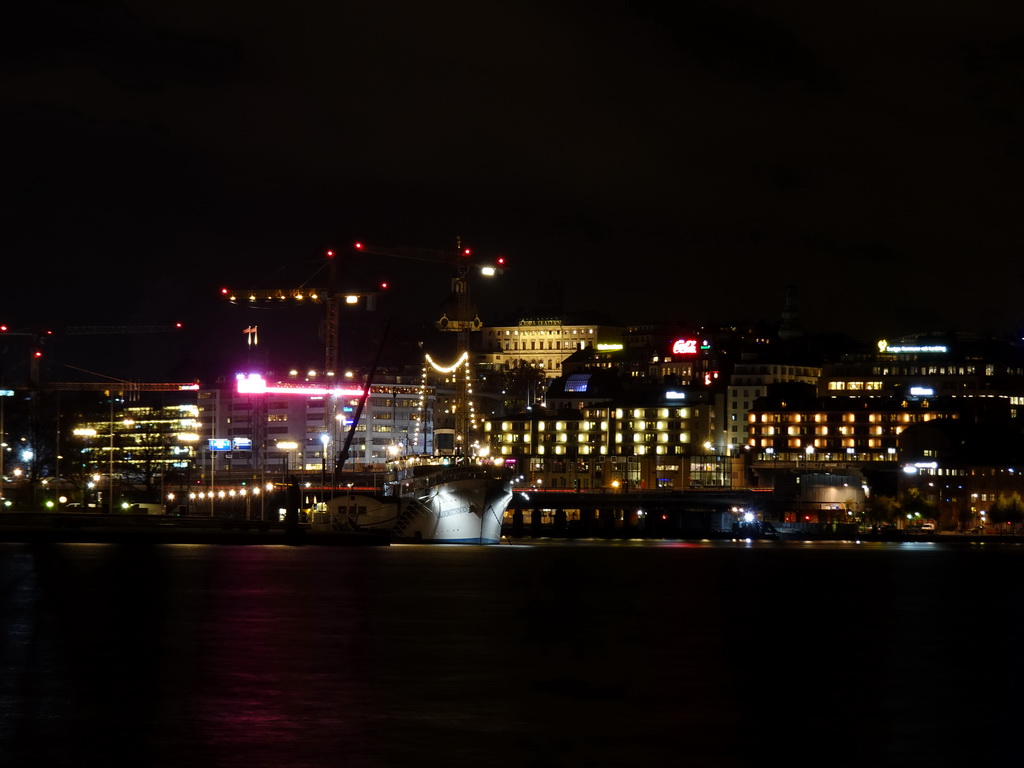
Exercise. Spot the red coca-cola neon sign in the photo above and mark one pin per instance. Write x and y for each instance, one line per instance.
(684, 347)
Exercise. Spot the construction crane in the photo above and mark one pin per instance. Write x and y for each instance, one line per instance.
(330, 296)
(41, 336)
(466, 318)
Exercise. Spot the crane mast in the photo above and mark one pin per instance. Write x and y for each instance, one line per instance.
(465, 319)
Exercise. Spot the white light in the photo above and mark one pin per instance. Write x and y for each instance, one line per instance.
(449, 369)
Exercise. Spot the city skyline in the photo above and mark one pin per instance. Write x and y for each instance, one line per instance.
(683, 164)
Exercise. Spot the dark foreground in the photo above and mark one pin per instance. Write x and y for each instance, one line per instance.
(717, 654)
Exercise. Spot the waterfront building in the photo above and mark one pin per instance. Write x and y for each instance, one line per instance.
(960, 365)
(542, 343)
(858, 421)
(750, 380)
(603, 436)
(298, 425)
(133, 449)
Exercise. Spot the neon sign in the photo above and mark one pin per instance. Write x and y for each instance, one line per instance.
(885, 347)
(684, 347)
(254, 384)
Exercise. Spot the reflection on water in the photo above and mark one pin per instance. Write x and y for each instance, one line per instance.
(560, 654)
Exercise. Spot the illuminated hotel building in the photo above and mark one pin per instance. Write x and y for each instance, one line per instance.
(862, 402)
(542, 343)
(856, 417)
(644, 446)
(954, 365)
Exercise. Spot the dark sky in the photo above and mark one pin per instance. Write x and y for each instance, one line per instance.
(680, 161)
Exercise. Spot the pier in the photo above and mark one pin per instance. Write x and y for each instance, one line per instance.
(631, 514)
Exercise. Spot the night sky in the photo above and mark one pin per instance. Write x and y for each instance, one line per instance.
(679, 161)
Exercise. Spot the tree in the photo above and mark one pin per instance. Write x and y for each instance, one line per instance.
(880, 509)
(915, 505)
(1007, 509)
(520, 385)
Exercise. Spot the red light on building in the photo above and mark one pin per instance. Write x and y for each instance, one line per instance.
(359, 246)
(330, 254)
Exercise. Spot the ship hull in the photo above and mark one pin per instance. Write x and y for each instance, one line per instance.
(455, 510)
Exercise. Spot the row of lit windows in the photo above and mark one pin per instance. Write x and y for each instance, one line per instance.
(811, 444)
(602, 450)
(514, 346)
(587, 437)
(845, 418)
(564, 331)
(824, 431)
(855, 386)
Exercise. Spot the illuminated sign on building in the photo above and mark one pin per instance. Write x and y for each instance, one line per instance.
(241, 444)
(219, 444)
(609, 347)
(254, 384)
(884, 347)
(673, 395)
(684, 347)
(922, 391)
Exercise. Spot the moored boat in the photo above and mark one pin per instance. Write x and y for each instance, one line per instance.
(434, 500)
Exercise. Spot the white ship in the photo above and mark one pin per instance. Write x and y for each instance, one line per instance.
(427, 501)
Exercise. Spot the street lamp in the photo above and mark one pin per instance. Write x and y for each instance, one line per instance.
(285, 446)
(324, 440)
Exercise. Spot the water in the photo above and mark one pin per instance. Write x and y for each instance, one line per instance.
(553, 654)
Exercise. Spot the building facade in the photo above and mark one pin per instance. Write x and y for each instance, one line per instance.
(542, 343)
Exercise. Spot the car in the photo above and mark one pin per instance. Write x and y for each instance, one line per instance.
(928, 527)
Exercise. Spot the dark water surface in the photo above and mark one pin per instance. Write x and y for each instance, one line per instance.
(555, 654)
